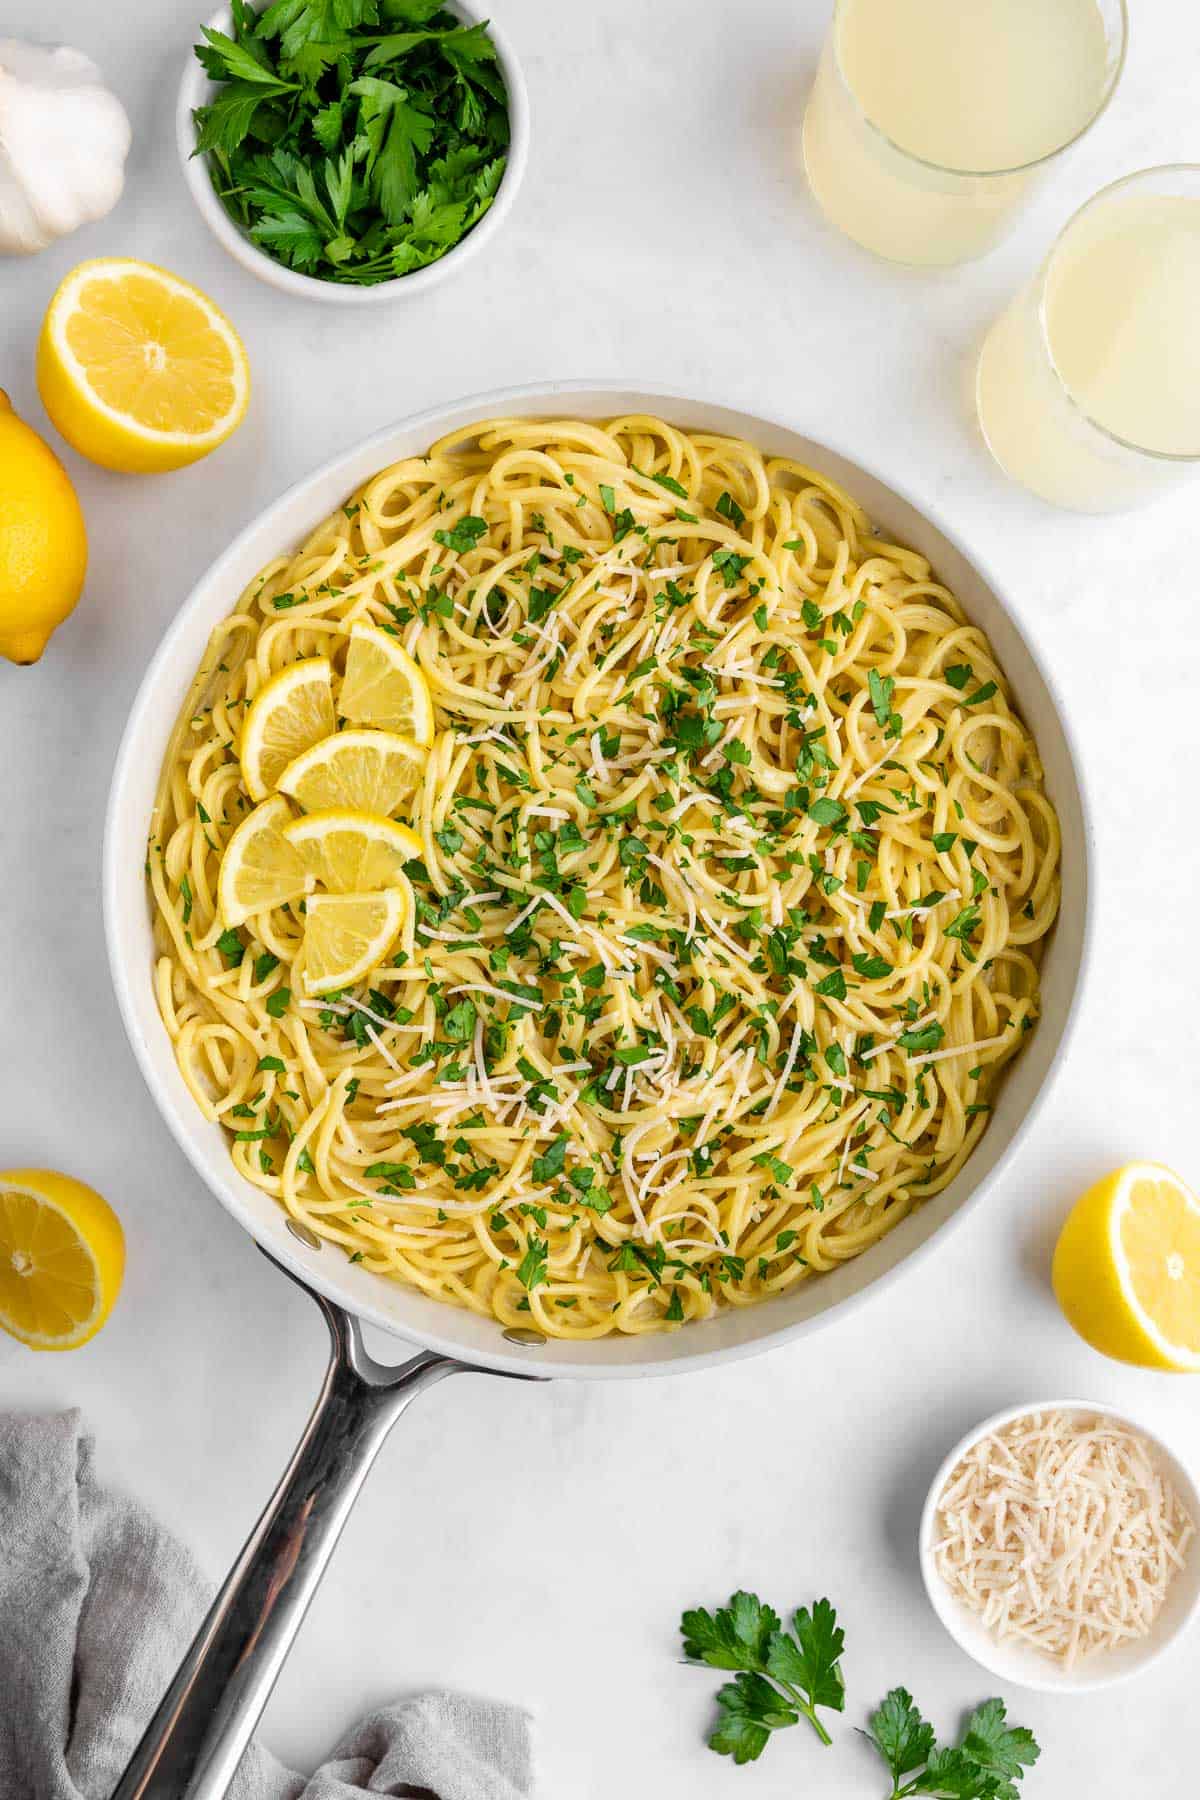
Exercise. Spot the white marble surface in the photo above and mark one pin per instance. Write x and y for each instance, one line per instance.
(540, 1543)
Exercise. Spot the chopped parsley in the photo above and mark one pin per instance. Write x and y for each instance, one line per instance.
(346, 150)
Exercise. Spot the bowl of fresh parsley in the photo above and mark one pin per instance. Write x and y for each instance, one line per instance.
(352, 150)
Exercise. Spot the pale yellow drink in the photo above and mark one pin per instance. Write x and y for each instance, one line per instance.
(929, 118)
(1089, 383)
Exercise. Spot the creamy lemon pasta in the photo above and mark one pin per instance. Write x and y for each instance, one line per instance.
(718, 913)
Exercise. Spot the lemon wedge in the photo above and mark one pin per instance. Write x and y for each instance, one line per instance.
(62, 1257)
(352, 852)
(260, 868)
(139, 370)
(290, 712)
(1127, 1268)
(348, 935)
(365, 771)
(383, 686)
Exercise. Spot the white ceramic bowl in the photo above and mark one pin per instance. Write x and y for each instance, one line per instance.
(734, 1331)
(195, 89)
(1017, 1663)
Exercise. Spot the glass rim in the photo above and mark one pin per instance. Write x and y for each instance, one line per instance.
(1178, 457)
(1023, 168)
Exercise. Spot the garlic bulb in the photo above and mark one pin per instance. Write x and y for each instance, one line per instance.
(63, 143)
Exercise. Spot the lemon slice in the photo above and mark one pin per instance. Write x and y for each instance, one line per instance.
(1127, 1268)
(291, 712)
(352, 852)
(62, 1256)
(138, 369)
(260, 868)
(383, 686)
(348, 935)
(366, 771)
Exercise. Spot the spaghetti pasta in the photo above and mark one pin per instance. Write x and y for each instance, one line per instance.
(736, 869)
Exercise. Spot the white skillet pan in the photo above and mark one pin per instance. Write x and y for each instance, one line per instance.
(193, 1746)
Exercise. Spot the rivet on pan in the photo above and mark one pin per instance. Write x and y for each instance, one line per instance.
(305, 1236)
(522, 1336)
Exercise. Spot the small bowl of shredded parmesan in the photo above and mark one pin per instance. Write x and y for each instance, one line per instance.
(1057, 1546)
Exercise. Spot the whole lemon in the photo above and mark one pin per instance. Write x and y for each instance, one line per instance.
(43, 540)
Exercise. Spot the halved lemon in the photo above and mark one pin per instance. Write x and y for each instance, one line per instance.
(139, 370)
(348, 935)
(260, 869)
(1127, 1268)
(290, 712)
(353, 852)
(62, 1257)
(383, 686)
(366, 771)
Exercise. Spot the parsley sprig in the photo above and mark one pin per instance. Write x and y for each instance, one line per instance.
(781, 1675)
(354, 140)
(987, 1762)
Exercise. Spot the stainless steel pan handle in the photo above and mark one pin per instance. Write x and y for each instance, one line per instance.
(196, 1739)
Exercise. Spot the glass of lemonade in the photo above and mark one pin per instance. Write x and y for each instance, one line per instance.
(929, 119)
(1089, 383)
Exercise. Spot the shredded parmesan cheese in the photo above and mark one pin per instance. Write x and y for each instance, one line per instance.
(1061, 1531)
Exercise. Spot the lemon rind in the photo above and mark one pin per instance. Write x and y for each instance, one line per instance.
(313, 825)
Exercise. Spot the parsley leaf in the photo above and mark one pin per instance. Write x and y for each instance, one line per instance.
(1002, 1749)
(465, 534)
(953, 1776)
(902, 1737)
(736, 1636)
(871, 968)
(963, 924)
(532, 1271)
(881, 689)
(927, 1037)
(550, 1163)
(809, 1659)
(751, 1709)
(229, 59)
(459, 1023)
(231, 947)
(730, 566)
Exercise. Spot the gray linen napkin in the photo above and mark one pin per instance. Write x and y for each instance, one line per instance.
(98, 1603)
